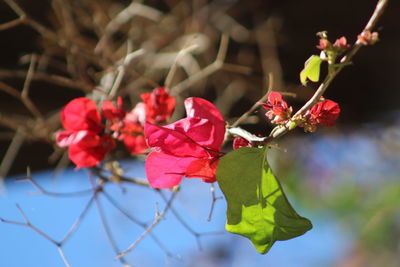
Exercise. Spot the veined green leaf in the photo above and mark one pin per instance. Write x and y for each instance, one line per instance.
(311, 70)
(257, 206)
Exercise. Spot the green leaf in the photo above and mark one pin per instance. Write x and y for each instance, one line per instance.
(311, 69)
(257, 207)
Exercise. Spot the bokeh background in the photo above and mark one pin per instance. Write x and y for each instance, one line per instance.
(345, 178)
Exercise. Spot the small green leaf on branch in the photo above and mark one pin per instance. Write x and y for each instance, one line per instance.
(311, 70)
(257, 206)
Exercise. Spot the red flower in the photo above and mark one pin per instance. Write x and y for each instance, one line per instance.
(324, 113)
(91, 150)
(81, 114)
(81, 120)
(159, 105)
(239, 142)
(127, 127)
(132, 131)
(277, 109)
(189, 147)
(111, 112)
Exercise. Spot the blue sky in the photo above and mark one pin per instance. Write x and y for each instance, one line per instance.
(20, 246)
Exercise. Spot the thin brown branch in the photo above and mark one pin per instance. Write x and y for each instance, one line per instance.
(11, 153)
(214, 199)
(123, 17)
(78, 221)
(196, 234)
(118, 207)
(207, 71)
(107, 229)
(156, 220)
(172, 70)
(50, 193)
(120, 178)
(25, 90)
(136, 221)
(11, 24)
(257, 104)
(50, 78)
(270, 63)
(28, 224)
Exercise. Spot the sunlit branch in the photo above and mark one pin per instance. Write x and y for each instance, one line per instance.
(281, 130)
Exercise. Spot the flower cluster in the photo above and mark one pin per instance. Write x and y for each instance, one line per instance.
(338, 47)
(89, 140)
(368, 38)
(190, 147)
(324, 113)
(277, 109)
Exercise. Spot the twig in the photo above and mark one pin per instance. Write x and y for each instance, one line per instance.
(118, 207)
(210, 69)
(28, 224)
(25, 90)
(107, 229)
(78, 221)
(122, 18)
(281, 130)
(138, 181)
(186, 49)
(270, 63)
(214, 199)
(186, 225)
(157, 219)
(11, 153)
(62, 255)
(136, 221)
(13, 23)
(122, 69)
(37, 26)
(49, 193)
(257, 104)
(50, 78)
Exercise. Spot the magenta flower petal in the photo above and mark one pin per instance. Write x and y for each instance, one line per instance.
(209, 130)
(172, 142)
(166, 171)
(189, 147)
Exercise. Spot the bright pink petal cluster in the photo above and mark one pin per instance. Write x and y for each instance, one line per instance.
(190, 147)
(82, 124)
(277, 109)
